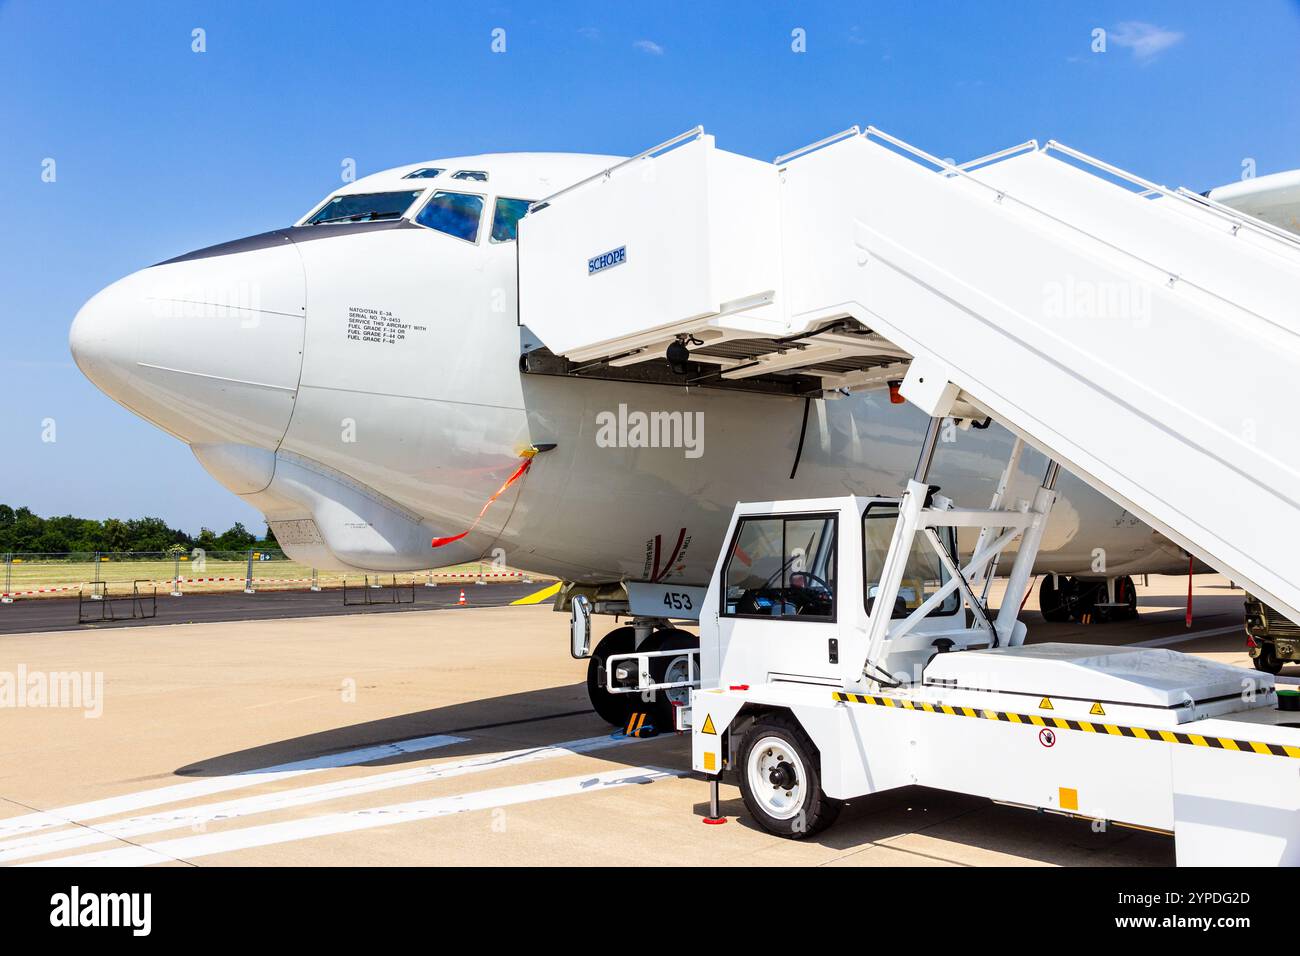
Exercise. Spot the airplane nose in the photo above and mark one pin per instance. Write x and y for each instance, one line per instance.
(207, 347)
(102, 341)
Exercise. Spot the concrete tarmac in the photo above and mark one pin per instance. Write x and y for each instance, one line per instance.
(445, 737)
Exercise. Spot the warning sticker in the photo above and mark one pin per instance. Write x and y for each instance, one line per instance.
(1046, 704)
(379, 326)
(1097, 710)
(708, 726)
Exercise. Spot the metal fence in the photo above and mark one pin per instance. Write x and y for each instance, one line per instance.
(25, 575)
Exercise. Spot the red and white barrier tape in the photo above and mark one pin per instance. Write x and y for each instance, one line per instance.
(169, 581)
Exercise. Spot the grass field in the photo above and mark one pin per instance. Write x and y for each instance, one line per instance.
(54, 577)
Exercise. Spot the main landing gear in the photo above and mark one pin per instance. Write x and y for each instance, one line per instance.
(1087, 600)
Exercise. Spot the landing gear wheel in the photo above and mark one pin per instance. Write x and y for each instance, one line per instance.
(780, 780)
(1267, 661)
(1126, 594)
(665, 670)
(612, 708)
(1056, 603)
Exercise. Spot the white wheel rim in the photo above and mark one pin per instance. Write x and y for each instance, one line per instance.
(678, 670)
(773, 755)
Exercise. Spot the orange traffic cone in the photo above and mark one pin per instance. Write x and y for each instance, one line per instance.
(461, 602)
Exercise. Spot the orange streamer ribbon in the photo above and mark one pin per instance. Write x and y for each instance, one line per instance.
(519, 473)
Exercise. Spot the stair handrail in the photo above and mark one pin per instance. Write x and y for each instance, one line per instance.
(606, 173)
(1001, 194)
(1182, 193)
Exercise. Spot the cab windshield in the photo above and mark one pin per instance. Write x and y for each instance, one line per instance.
(365, 207)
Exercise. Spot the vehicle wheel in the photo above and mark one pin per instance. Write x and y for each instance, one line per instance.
(612, 708)
(1267, 661)
(1055, 603)
(666, 669)
(780, 780)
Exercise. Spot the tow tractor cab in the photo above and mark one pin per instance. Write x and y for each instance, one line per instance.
(846, 648)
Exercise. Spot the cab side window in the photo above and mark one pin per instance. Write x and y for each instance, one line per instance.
(782, 567)
(505, 218)
(456, 214)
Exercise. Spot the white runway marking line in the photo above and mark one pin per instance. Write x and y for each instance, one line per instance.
(1191, 636)
(41, 844)
(48, 819)
(193, 847)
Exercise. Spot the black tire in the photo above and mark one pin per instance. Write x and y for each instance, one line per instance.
(814, 810)
(661, 708)
(1267, 661)
(612, 708)
(1053, 602)
(1126, 591)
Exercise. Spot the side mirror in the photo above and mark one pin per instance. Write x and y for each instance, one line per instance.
(580, 626)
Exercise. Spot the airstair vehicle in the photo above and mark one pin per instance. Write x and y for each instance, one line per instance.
(1145, 338)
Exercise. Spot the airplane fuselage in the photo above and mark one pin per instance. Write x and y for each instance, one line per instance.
(359, 383)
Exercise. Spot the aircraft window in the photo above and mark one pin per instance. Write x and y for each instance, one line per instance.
(364, 207)
(473, 175)
(426, 172)
(782, 567)
(505, 218)
(923, 575)
(456, 214)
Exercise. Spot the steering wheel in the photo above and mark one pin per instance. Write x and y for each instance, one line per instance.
(814, 596)
(820, 583)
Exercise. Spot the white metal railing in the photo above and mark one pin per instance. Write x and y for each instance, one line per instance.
(853, 130)
(1237, 218)
(606, 173)
(1000, 194)
(972, 164)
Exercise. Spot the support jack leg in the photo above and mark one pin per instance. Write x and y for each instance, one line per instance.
(715, 816)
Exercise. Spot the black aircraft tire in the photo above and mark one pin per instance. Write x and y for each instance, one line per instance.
(1054, 602)
(612, 708)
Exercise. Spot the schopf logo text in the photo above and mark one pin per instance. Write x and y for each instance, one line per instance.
(606, 260)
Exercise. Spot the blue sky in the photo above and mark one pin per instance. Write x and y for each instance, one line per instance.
(160, 150)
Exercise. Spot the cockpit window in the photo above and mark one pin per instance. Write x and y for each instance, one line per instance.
(364, 207)
(506, 216)
(425, 172)
(473, 175)
(456, 214)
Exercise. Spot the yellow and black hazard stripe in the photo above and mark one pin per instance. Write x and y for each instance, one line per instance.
(1087, 727)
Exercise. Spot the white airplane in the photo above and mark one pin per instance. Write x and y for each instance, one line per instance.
(362, 379)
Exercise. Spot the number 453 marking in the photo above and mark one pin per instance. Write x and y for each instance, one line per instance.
(678, 601)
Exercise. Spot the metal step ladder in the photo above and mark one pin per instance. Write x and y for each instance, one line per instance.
(1146, 339)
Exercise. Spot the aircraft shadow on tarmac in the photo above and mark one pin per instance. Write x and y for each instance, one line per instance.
(513, 721)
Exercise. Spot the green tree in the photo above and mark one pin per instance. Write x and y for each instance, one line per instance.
(237, 538)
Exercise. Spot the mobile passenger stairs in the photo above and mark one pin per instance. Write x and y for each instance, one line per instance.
(1145, 338)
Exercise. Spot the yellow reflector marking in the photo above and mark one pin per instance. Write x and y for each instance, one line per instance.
(537, 597)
